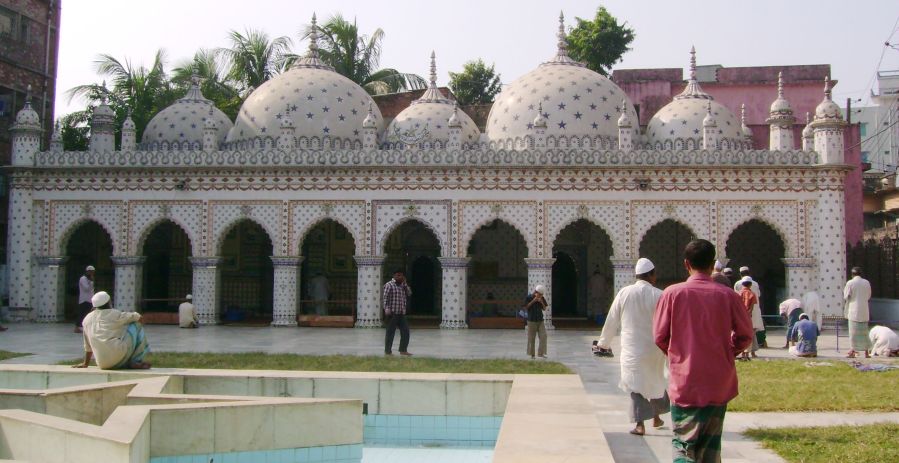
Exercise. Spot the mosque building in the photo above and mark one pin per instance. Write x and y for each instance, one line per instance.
(563, 189)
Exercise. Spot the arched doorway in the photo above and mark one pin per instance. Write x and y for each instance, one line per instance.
(167, 271)
(497, 277)
(415, 249)
(582, 274)
(565, 279)
(89, 244)
(247, 274)
(756, 245)
(664, 245)
(328, 272)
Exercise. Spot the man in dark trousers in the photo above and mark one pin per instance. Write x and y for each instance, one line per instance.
(396, 298)
(85, 293)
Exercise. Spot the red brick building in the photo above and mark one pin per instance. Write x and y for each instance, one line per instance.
(29, 46)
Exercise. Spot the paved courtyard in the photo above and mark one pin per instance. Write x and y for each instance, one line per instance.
(51, 343)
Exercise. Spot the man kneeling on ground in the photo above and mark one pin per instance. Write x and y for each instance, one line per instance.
(805, 333)
(115, 338)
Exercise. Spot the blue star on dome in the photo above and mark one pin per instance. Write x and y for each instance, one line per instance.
(309, 115)
(576, 97)
(561, 106)
(594, 125)
(593, 106)
(310, 97)
(326, 130)
(578, 115)
(562, 125)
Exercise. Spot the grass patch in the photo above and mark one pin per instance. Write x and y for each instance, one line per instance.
(790, 385)
(396, 363)
(5, 354)
(858, 444)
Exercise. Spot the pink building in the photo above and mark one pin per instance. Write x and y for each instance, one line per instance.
(756, 88)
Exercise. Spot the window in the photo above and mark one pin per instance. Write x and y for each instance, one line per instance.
(7, 23)
(865, 155)
(863, 129)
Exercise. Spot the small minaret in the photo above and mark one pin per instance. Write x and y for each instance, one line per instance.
(370, 130)
(26, 134)
(828, 127)
(808, 135)
(455, 129)
(210, 132)
(56, 144)
(781, 120)
(747, 132)
(625, 129)
(287, 139)
(539, 125)
(129, 134)
(103, 128)
(709, 130)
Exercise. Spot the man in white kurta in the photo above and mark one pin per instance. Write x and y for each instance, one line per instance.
(757, 323)
(320, 291)
(643, 365)
(856, 295)
(187, 314)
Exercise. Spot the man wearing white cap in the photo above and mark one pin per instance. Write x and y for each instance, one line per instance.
(85, 293)
(757, 324)
(642, 363)
(115, 339)
(535, 304)
(187, 315)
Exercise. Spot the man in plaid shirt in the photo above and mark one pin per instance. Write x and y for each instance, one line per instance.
(396, 297)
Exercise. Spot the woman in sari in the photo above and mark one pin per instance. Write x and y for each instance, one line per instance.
(114, 338)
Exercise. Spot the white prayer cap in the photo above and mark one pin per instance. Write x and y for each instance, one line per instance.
(100, 299)
(728, 271)
(803, 315)
(90, 268)
(718, 266)
(188, 297)
(540, 289)
(745, 280)
(644, 265)
(744, 269)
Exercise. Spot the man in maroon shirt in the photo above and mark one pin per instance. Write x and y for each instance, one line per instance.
(701, 326)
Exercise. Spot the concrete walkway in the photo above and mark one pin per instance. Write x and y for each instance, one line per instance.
(56, 342)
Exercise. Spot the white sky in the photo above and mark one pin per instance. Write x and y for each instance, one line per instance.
(515, 35)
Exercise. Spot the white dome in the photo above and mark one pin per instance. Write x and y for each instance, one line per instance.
(577, 102)
(322, 104)
(682, 120)
(27, 115)
(181, 125)
(827, 109)
(427, 119)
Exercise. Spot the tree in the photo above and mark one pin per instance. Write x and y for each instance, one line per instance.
(254, 59)
(599, 43)
(214, 82)
(476, 84)
(357, 57)
(143, 91)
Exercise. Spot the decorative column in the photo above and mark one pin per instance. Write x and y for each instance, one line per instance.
(205, 288)
(368, 291)
(800, 275)
(540, 272)
(51, 305)
(287, 279)
(624, 272)
(455, 291)
(128, 280)
(831, 243)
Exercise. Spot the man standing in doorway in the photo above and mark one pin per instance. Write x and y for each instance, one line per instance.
(85, 293)
(757, 322)
(320, 292)
(642, 363)
(856, 295)
(396, 298)
(701, 326)
(535, 304)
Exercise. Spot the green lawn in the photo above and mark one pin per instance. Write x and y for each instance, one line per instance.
(5, 354)
(874, 443)
(790, 385)
(397, 363)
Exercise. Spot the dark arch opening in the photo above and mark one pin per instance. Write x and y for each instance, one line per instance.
(89, 244)
(414, 248)
(246, 275)
(664, 245)
(582, 274)
(756, 245)
(328, 273)
(498, 275)
(167, 271)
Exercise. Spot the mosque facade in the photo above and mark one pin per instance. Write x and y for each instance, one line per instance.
(563, 189)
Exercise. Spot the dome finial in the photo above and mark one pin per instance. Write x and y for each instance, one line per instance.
(433, 69)
(370, 122)
(780, 84)
(453, 120)
(692, 62)
(693, 90)
(28, 95)
(563, 40)
(807, 118)
(313, 39)
(743, 113)
(827, 94)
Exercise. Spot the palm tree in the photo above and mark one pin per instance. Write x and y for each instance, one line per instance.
(143, 91)
(357, 57)
(209, 66)
(254, 58)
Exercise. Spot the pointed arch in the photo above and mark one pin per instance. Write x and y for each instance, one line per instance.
(788, 251)
(488, 221)
(663, 244)
(304, 232)
(382, 244)
(66, 235)
(148, 229)
(220, 239)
